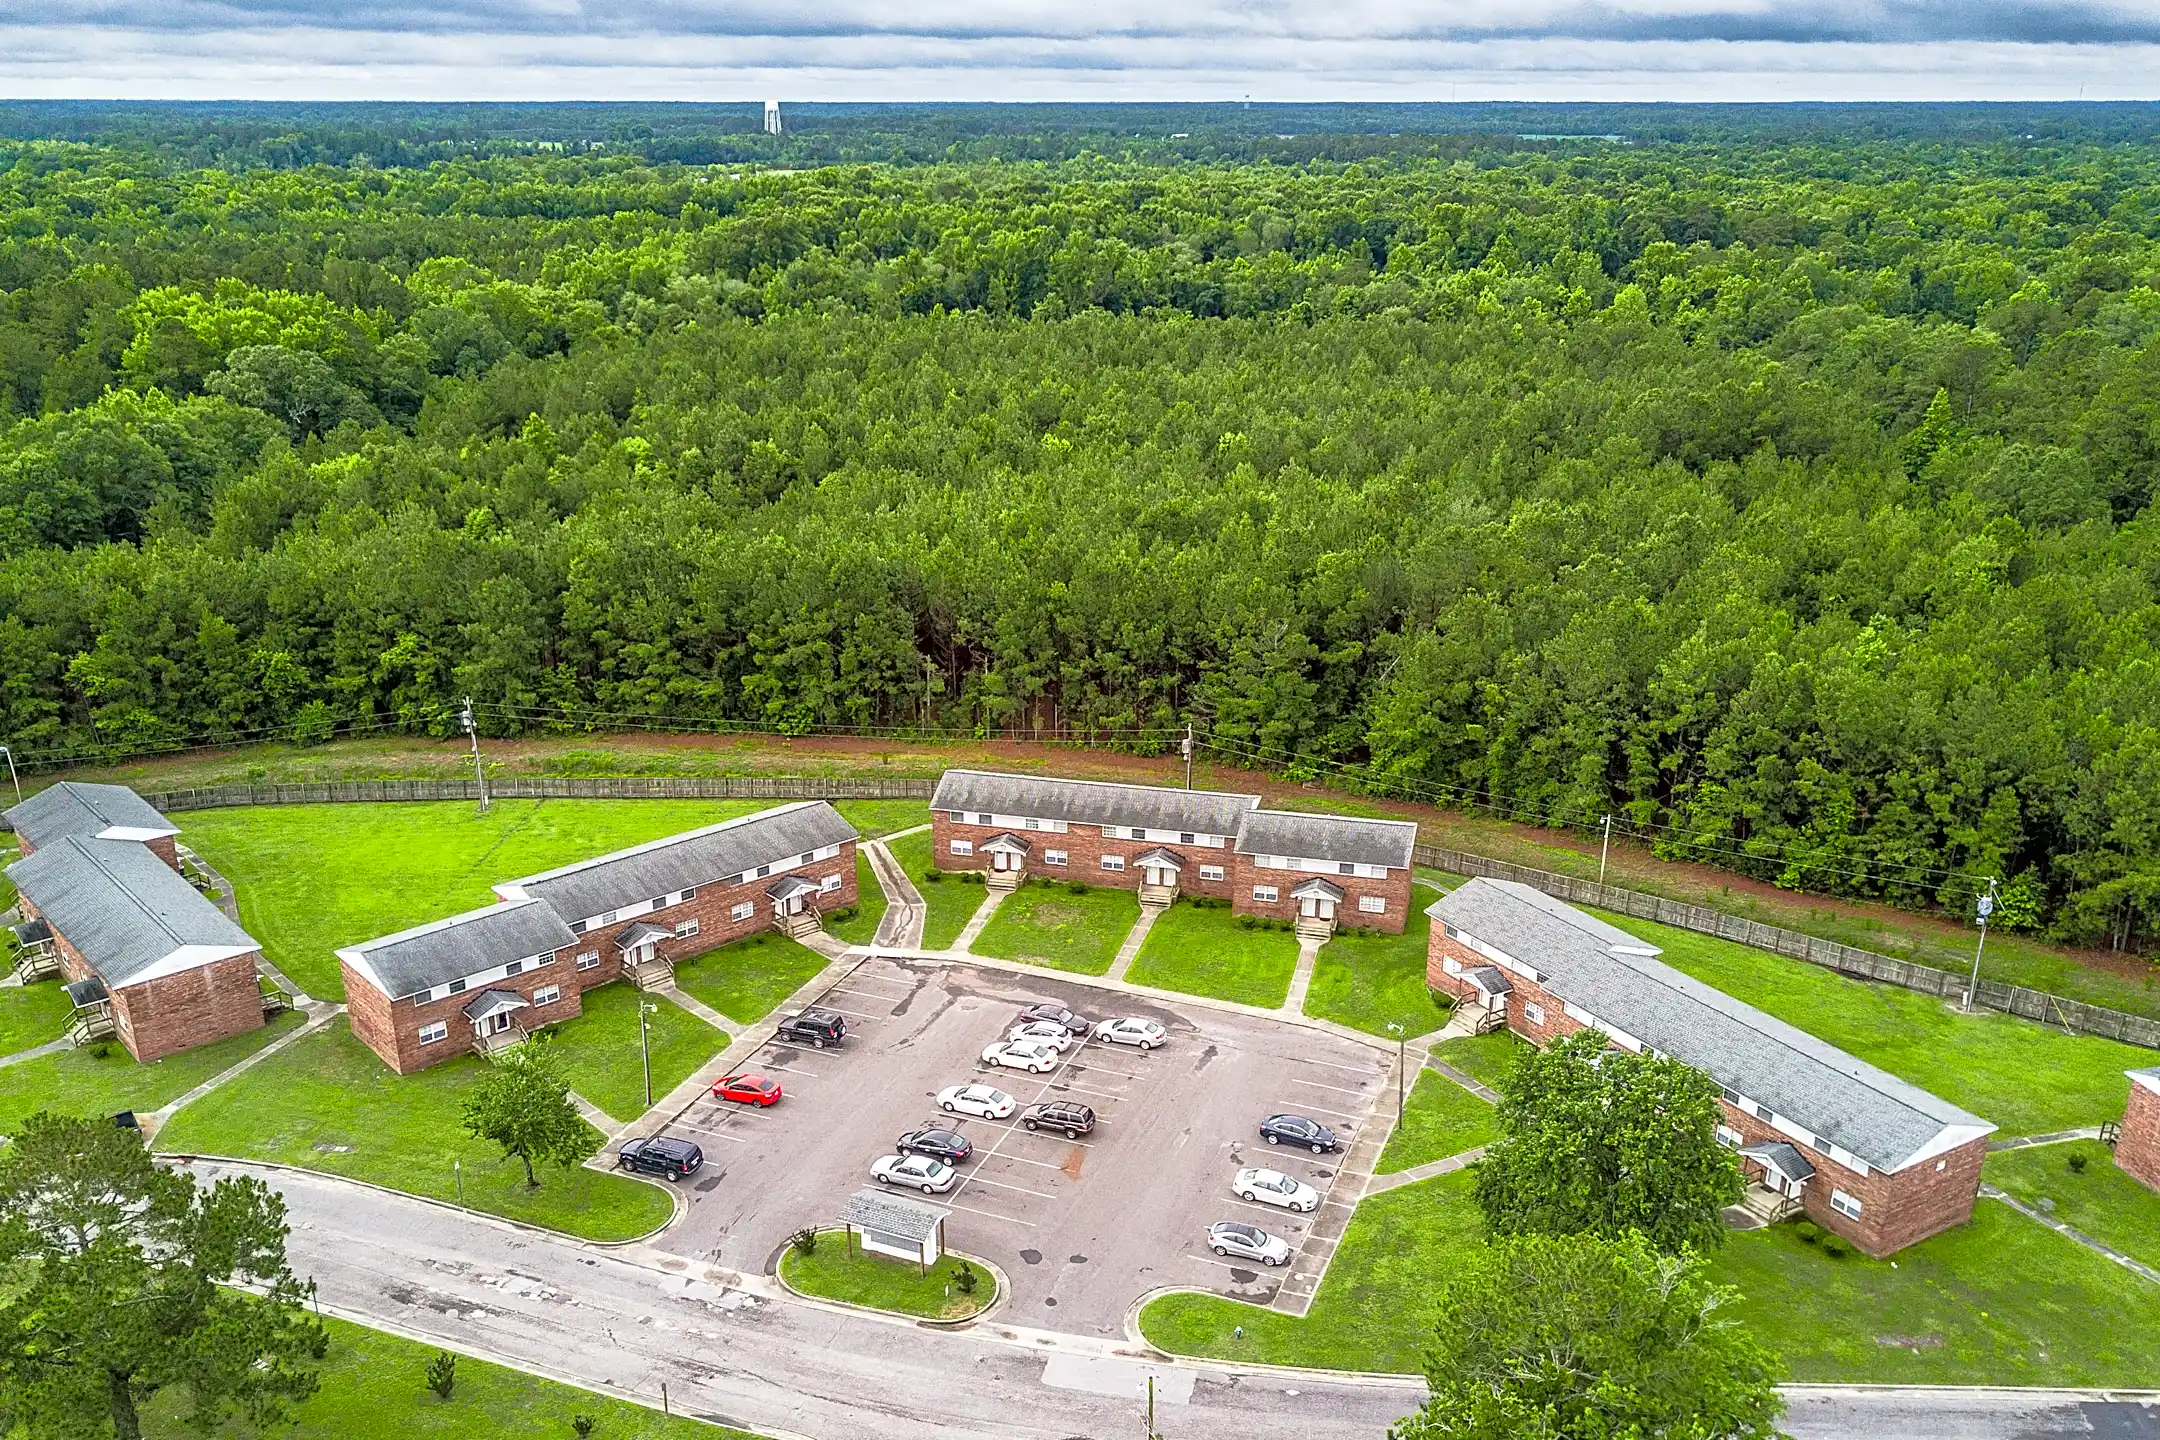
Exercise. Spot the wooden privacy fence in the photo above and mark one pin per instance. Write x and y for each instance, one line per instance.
(2073, 1015)
(605, 787)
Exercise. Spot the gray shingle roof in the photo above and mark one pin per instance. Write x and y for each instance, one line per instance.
(494, 1002)
(443, 950)
(73, 808)
(1616, 977)
(1781, 1156)
(1341, 839)
(680, 862)
(892, 1215)
(127, 912)
(1092, 802)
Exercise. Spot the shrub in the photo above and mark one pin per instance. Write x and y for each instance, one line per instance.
(102, 1050)
(934, 876)
(2077, 1162)
(1835, 1248)
(844, 913)
(442, 1373)
(974, 877)
(964, 1278)
(583, 1425)
(1074, 887)
(1808, 1232)
(804, 1241)
(1245, 922)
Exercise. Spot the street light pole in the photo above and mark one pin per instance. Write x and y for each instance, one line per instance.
(4, 750)
(1985, 908)
(1604, 850)
(645, 1047)
(1187, 747)
(1402, 1078)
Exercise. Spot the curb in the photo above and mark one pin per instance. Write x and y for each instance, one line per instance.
(962, 1322)
(1379, 1379)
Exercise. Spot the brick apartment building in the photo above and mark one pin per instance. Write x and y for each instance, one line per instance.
(1865, 1154)
(489, 977)
(146, 958)
(2137, 1148)
(1318, 870)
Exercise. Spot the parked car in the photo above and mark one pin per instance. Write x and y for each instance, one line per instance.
(1297, 1130)
(1272, 1187)
(987, 1101)
(1077, 1024)
(747, 1089)
(662, 1155)
(1132, 1030)
(1049, 1032)
(926, 1173)
(815, 1028)
(948, 1145)
(1247, 1242)
(1030, 1055)
(1069, 1116)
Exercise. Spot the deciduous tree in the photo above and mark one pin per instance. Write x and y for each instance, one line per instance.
(524, 1106)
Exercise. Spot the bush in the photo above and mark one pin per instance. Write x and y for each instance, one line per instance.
(804, 1241)
(583, 1425)
(1074, 887)
(934, 876)
(964, 1278)
(844, 913)
(1808, 1232)
(102, 1050)
(2077, 1162)
(1246, 922)
(442, 1373)
(1835, 1248)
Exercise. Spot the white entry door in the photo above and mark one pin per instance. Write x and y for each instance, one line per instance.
(496, 1024)
(1312, 907)
(1001, 860)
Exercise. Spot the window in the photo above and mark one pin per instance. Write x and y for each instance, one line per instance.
(1451, 965)
(1139, 834)
(658, 902)
(1109, 832)
(453, 987)
(1187, 839)
(1211, 872)
(1728, 1137)
(1265, 894)
(513, 967)
(607, 919)
(547, 995)
(580, 927)
(1053, 857)
(963, 847)
(1113, 862)
(982, 820)
(762, 872)
(684, 929)
(829, 884)
(588, 960)
(1346, 869)
(1534, 1012)
(1372, 904)
(1844, 1204)
(689, 894)
(743, 911)
(429, 1034)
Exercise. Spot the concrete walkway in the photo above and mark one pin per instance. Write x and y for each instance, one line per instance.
(319, 1013)
(979, 919)
(2069, 1232)
(1429, 1170)
(1440, 1067)
(1308, 955)
(678, 996)
(905, 908)
(1134, 939)
(50, 1047)
(2058, 1137)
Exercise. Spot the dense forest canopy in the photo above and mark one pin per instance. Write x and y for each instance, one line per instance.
(1785, 492)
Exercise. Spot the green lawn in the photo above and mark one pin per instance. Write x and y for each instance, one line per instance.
(860, 928)
(313, 877)
(30, 1015)
(948, 903)
(77, 1082)
(882, 1283)
(2100, 1200)
(1485, 1058)
(881, 817)
(1440, 1119)
(1049, 924)
(327, 1103)
(372, 1389)
(1205, 952)
(601, 1055)
(2027, 1078)
(1364, 979)
(745, 980)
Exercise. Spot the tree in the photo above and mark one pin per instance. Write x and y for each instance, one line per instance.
(122, 1284)
(1595, 1140)
(297, 386)
(1580, 1337)
(524, 1106)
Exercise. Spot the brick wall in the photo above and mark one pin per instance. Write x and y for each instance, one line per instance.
(1084, 846)
(713, 906)
(1394, 893)
(195, 1007)
(165, 847)
(2138, 1151)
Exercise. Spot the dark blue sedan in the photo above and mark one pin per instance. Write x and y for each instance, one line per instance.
(1297, 1130)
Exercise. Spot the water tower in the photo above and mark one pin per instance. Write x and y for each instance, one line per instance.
(772, 117)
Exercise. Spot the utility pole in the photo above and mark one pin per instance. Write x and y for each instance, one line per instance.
(479, 771)
(1152, 1434)
(645, 1046)
(1401, 1076)
(1985, 908)
(927, 683)
(4, 750)
(1604, 850)
(1187, 748)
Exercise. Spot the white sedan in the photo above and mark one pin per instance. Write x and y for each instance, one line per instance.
(987, 1101)
(1049, 1032)
(1030, 1055)
(1131, 1030)
(920, 1172)
(1272, 1187)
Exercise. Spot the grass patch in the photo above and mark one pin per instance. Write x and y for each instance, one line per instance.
(860, 928)
(881, 817)
(745, 980)
(1365, 979)
(601, 1055)
(310, 878)
(1205, 952)
(1050, 925)
(327, 1103)
(2100, 1200)
(948, 903)
(2028, 1079)
(882, 1283)
(1484, 1058)
(1440, 1119)
(372, 1390)
(77, 1082)
(30, 1015)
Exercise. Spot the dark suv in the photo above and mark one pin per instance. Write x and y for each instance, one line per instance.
(815, 1028)
(1066, 1115)
(662, 1155)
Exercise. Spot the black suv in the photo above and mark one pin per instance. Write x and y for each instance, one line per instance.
(948, 1145)
(815, 1028)
(660, 1155)
(1058, 1015)
(1066, 1115)
(1297, 1130)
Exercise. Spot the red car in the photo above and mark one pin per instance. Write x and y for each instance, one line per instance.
(748, 1089)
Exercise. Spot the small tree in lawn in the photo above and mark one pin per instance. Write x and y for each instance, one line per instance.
(121, 1279)
(1600, 1141)
(524, 1106)
(1584, 1337)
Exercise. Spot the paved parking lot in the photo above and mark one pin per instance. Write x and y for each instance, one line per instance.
(1081, 1227)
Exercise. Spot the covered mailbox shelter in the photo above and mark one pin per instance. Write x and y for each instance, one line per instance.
(890, 1225)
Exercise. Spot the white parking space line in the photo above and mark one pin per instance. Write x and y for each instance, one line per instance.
(989, 1214)
(704, 1130)
(980, 1179)
(1233, 1264)
(1023, 1160)
(1307, 1108)
(1095, 1069)
(789, 1070)
(1319, 1085)
(1084, 1090)
(1287, 1216)
(1332, 1065)
(854, 1014)
(1057, 1135)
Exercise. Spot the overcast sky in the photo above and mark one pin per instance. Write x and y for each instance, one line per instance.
(1098, 50)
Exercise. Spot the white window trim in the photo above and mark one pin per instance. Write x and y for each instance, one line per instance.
(1371, 905)
(1211, 872)
(829, 884)
(1054, 857)
(1533, 1012)
(684, 929)
(547, 995)
(1729, 1137)
(1450, 965)
(963, 847)
(434, 1032)
(588, 960)
(1114, 864)
(1265, 894)
(1845, 1204)
(743, 911)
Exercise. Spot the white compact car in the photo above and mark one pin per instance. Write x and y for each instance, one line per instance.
(918, 1172)
(1131, 1030)
(1030, 1055)
(987, 1101)
(1272, 1187)
(1049, 1032)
